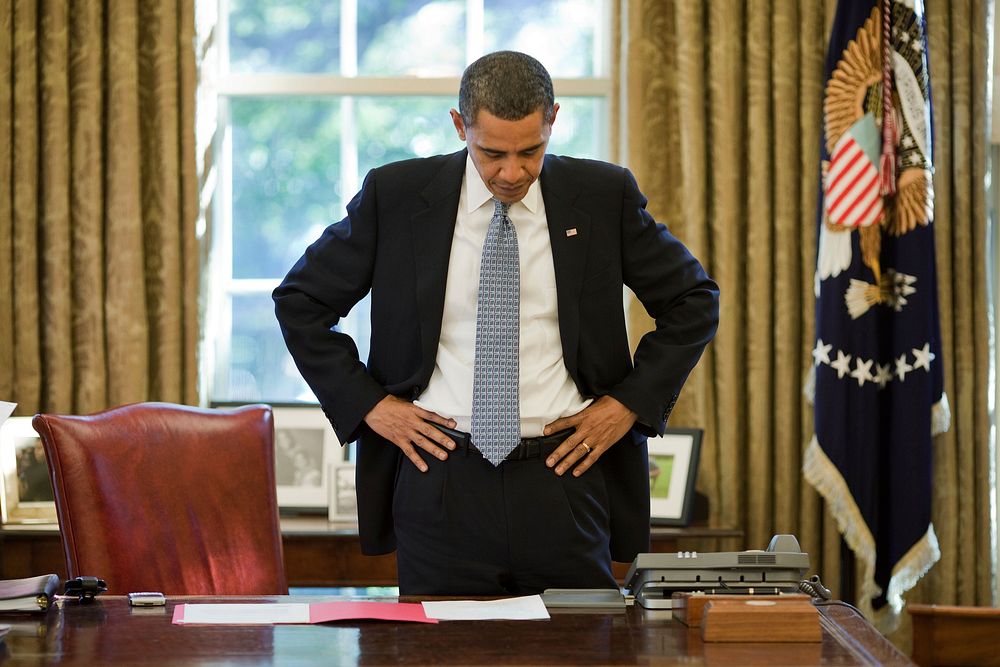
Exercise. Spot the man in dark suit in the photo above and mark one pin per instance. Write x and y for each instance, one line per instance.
(502, 434)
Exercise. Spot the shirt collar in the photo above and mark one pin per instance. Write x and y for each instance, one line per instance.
(477, 194)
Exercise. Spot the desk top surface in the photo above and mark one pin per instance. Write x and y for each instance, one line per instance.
(319, 526)
(109, 632)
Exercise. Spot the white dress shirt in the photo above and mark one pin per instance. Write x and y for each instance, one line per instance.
(546, 390)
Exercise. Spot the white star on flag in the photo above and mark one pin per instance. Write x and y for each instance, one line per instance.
(821, 353)
(924, 357)
(862, 373)
(842, 364)
(883, 375)
(902, 368)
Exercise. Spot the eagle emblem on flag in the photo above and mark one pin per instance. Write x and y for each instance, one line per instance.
(853, 183)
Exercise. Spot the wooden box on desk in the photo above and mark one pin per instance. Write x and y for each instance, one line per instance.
(689, 608)
(749, 618)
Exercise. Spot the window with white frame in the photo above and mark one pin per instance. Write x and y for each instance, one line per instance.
(314, 93)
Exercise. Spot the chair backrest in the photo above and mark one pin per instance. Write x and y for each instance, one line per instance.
(169, 498)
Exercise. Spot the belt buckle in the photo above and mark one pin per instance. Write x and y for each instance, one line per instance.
(528, 448)
(533, 448)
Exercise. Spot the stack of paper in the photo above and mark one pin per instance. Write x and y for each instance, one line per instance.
(526, 608)
(523, 608)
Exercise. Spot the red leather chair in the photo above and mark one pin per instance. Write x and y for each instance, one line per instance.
(169, 498)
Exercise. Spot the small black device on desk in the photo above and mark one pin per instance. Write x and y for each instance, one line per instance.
(85, 589)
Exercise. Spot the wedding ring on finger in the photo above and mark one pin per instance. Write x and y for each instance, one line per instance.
(586, 447)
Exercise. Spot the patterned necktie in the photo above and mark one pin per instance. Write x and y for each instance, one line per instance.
(496, 417)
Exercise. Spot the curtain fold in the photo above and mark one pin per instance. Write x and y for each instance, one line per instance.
(22, 152)
(958, 45)
(6, 204)
(724, 112)
(98, 250)
(87, 196)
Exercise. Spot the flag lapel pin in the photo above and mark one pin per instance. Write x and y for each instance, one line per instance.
(571, 232)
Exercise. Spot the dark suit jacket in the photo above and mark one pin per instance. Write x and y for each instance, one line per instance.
(396, 241)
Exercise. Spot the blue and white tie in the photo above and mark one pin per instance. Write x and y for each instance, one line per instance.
(496, 417)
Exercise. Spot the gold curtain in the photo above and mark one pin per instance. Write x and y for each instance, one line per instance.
(958, 47)
(723, 112)
(98, 252)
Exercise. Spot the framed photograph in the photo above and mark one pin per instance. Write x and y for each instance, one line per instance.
(343, 495)
(673, 469)
(304, 447)
(25, 488)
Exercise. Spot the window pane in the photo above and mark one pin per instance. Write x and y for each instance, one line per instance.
(411, 37)
(259, 368)
(286, 180)
(283, 36)
(580, 129)
(560, 33)
(398, 128)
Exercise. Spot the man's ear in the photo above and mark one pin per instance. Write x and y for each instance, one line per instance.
(555, 110)
(456, 118)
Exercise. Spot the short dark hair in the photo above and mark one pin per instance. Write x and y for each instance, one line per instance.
(509, 84)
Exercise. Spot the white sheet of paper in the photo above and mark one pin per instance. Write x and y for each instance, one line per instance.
(246, 614)
(6, 410)
(527, 608)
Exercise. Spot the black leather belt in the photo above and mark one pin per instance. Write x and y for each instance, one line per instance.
(529, 448)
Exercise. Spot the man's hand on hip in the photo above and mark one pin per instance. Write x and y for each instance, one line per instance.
(598, 426)
(407, 426)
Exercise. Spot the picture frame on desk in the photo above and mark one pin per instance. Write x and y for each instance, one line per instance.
(25, 487)
(304, 447)
(673, 470)
(343, 492)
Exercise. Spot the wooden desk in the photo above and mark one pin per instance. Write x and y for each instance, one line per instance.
(953, 635)
(109, 633)
(320, 553)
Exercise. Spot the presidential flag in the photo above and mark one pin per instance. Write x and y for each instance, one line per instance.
(878, 389)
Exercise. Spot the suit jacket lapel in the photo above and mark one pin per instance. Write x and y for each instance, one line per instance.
(569, 234)
(433, 228)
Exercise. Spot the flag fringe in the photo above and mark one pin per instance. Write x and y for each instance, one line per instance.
(908, 571)
(827, 480)
(829, 483)
(923, 555)
(941, 416)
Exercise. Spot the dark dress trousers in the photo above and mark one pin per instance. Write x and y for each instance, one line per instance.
(396, 242)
